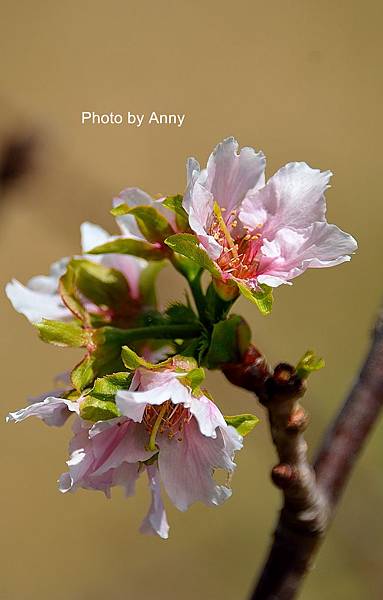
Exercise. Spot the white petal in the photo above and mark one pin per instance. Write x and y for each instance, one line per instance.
(36, 305)
(208, 416)
(186, 466)
(155, 521)
(293, 197)
(53, 411)
(92, 236)
(132, 404)
(230, 175)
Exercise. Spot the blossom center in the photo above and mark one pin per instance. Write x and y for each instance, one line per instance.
(167, 417)
(241, 246)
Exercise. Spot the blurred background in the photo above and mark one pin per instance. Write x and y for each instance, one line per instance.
(301, 80)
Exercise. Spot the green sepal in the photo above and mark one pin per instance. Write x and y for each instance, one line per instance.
(188, 245)
(308, 363)
(63, 334)
(152, 224)
(139, 248)
(262, 299)
(229, 341)
(174, 203)
(242, 423)
(133, 361)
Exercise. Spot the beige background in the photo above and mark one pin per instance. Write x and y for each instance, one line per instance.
(300, 80)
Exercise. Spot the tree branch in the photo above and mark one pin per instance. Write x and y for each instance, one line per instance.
(310, 496)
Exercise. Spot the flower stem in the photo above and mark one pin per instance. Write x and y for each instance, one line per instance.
(158, 332)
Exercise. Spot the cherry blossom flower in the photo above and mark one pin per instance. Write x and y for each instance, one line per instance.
(177, 435)
(259, 233)
(40, 298)
(187, 429)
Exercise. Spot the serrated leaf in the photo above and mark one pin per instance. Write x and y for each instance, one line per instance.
(229, 341)
(68, 292)
(242, 423)
(152, 224)
(174, 203)
(105, 388)
(100, 284)
(309, 363)
(194, 378)
(262, 299)
(133, 361)
(188, 245)
(134, 247)
(95, 409)
(63, 334)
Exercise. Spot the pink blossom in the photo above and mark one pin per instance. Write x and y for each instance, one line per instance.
(189, 432)
(40, 298)
(177, 435)
(259, 233)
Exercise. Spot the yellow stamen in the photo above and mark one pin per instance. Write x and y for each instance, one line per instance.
(152, 440)
(223, 226)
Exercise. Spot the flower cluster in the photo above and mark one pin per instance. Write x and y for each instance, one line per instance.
(136, 397)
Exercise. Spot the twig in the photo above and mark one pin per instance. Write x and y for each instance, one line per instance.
(310, 497)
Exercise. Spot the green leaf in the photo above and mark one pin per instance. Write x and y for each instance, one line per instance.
(242, 423)
(105, 388)
(63, 334)
(188, 245)
(308, 363)
(229, 341)
(194, 378)
(174, 203)
(132, 361)
(99, 404)
(152, 224)
(130, 246)
(262, 299)
(94, 409)
(68, 292)
(100, 284)
(120, 210)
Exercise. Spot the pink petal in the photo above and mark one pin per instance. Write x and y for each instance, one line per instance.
(155, 521)
(186, 466)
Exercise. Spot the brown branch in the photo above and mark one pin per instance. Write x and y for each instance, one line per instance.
(309, 496)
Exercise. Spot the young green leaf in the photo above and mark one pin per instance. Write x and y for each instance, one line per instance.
(242, 423)
(188, 245)
(94, 409)
(152, 224)
(262, 299)
(63, 334)
(308, 363)
(174, 203)
(134, 247)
